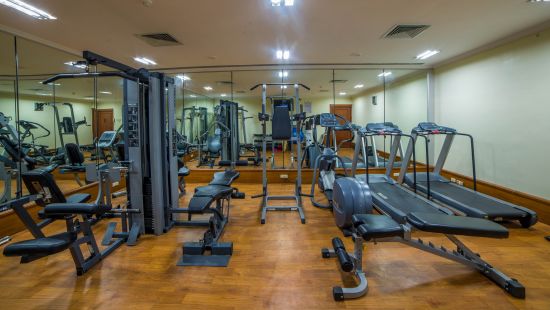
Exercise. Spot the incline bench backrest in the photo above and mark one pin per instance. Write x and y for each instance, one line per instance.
(41, 182)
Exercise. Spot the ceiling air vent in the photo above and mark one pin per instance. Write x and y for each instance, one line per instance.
(224, 82)
(338, 81)
(241, 92)
(159, 39)
(405, 31)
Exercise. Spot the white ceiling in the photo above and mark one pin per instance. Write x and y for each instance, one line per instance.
(246, 32)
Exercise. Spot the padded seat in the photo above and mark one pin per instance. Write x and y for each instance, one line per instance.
(183, 172)
(73, 208)
(41, 246)
(225, 178)
(213, 191)
(372, 226)
(456, 225)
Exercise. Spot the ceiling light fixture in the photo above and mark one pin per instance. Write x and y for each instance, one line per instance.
(280, 54)
(427, 54)
(43, 94)
(28, 9)
(283, 74)
(279, 2)
(223, 95)
(145, 61)
(76, 64)
(106, 92)
(538, 0)
(207, 88)
(284, 87)
(385, 74)
(89, 97)
(183, 77)
(359, 86)
(54, 84)
(192, 96)
(343, 93)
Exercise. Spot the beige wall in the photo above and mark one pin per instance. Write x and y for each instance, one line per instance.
(501, 97)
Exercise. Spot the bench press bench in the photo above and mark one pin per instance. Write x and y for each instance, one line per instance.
(383, 228)
(214, 199)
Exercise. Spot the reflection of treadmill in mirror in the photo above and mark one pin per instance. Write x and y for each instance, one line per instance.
(378, 161)
(105, 144)
(470, 202)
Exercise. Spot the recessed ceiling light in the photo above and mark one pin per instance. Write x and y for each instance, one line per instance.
(384, 74)
(76, 64)
(359, 86)
(208, 88)
(280, 54)
(183, 77)
(43, 94)
(27, 9)
(538, 0)
(223, 95)
(89, 97)
(343, 93)
(192, 96)
(284, 87)
(145, 61)
(55, 84)
(283, 74)
(427, 54)
(278, 2)
(106, 92)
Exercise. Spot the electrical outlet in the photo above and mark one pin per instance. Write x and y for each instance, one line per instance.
(284, 176)
(453, 180)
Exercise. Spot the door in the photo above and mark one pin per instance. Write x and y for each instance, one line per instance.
(343, 110)
(102, 120)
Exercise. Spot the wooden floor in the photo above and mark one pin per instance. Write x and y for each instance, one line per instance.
(277, 266)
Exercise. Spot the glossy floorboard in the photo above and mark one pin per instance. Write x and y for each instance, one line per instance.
(278, 265)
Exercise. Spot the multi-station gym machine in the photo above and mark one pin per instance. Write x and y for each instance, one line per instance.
(149, 141)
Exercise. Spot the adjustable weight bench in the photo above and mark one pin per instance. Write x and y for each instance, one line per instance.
(214, 199)
(383, 228)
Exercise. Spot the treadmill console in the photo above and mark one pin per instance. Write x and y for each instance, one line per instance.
(107, 139)
(382, 128)
(433, 129)
(328, 120)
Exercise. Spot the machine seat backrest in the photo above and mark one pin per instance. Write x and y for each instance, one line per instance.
(41, 182)
(74, 156)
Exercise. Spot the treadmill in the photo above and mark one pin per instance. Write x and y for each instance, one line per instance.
(467, 201)
(389, 196)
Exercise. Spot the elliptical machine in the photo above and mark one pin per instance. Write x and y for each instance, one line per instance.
(326, 158)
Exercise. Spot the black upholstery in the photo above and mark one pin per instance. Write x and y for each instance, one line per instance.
(281, 127)
(74, 156)
(372, 226)
(213, 191)
(41, 246)
(183, 172)
(73, 208)
(225, 178)
(199, 204)
(456, 225)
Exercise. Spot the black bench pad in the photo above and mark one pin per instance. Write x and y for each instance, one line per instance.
(225, 178)
(41, 246)
(72, 208)
(456, 225)
(213, 191)
(372, 226)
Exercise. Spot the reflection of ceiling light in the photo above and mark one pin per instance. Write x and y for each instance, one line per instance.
(278, 2)
(183, 77)
(106, 92)
(145, 61)
(385, 74)
(283, 74)
(284, 87)
(427, 54)
(76, 64)
(43, 94)
(359, 86)
(223, 95)
(27, 9)
(89, 97)
(283, 54)
(207, 88)
(192, 96)
(343, 93)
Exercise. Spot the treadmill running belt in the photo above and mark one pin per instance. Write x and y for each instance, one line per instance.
(397, 202)
(491, 207)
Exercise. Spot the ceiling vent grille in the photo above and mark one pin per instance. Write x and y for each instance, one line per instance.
(338, 81)
(159, 39)
(405, 31)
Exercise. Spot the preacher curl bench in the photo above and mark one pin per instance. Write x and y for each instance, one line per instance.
(215, 199)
